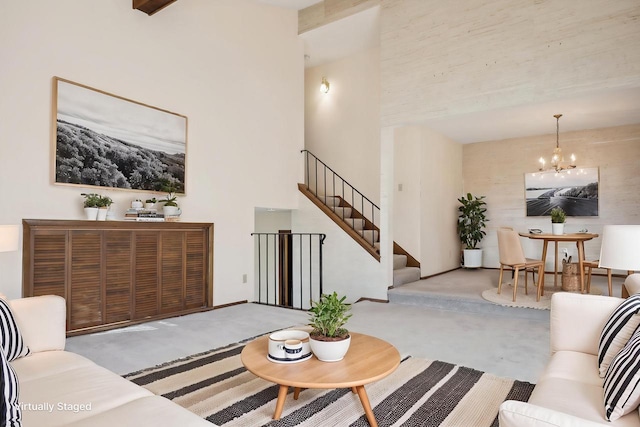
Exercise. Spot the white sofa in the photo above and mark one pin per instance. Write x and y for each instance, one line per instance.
(632, 284)
(60, 388)
(570, 392)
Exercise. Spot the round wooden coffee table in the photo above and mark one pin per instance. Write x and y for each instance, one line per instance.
(368, 359)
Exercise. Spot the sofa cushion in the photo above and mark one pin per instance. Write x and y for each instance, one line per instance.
(578, 399)
(42, 321)
(10, 414)
(146, 411)
(574, 366)
(74, 394)
(10, 337)
(47, 363)
(616, 332)
(622, 382)
(522, 414)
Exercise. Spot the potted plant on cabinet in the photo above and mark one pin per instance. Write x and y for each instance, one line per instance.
(471, 222)
(150, 203)
(91, 201)
(170, 207)
(558, 218)
(329, 340)
(104, 202)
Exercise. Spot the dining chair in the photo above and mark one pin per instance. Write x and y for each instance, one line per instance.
(512, 255)
(590, 265)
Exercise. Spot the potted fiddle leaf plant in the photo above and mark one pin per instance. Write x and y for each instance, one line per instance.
(472, 220)
(558, 218)
(329, 340)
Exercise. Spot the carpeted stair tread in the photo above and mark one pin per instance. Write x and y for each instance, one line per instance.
(342, 212)
(355, 223)
(370, 236)
(330, 201)
(399, 261)
(405, 275)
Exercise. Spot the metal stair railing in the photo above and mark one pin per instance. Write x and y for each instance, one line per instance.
(324, 182)
(288, 269)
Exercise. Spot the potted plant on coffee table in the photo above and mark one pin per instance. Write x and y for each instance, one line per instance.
(471, 222)
(558, 218)
(329, 340)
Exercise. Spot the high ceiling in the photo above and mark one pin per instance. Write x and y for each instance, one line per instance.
(345, 37)
(291, 4)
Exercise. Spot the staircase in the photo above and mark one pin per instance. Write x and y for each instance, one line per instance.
(402, 273)
(355, 214)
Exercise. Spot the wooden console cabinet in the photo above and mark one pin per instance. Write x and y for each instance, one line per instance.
(114, 273)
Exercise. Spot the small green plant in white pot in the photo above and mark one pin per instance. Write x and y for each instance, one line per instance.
(329, 340)
(104, 202)
(91, 204)
(558, 218)
(471, 222)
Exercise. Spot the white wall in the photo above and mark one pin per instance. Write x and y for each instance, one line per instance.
(441, 187)
(407, 164)
(233, 67)
(429, 167)
(440, 59)
(496, 169)
(342, 127)
(348, 268)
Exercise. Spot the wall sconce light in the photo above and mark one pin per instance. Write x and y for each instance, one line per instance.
(324, 86)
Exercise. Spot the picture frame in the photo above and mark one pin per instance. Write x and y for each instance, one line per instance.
(574, 190)
(105, 140)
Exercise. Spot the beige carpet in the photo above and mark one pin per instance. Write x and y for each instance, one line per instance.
(505, 298)
(215, 386)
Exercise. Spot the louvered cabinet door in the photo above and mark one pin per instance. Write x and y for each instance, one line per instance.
(146, 274)
(172, 279)
(85, 282)
(118, 274)
(47, 263)
(196, 269)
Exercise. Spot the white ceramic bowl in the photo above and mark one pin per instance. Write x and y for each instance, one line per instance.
(277, 339)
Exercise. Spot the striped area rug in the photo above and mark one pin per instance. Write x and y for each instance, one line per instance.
(215, 386)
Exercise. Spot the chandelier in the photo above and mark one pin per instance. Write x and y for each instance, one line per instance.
(557, 160)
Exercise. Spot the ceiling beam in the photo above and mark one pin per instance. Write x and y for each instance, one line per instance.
(151, 6)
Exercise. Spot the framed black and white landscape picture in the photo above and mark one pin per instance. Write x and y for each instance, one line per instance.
(574, 190)
(106, 140)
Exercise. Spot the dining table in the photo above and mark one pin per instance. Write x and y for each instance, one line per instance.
(578, 238)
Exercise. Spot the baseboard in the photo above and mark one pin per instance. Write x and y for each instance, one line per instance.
(441, 273)
(215, 307)
(385, 301)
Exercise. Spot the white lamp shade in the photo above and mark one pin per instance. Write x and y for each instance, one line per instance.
(620, 248)
(8, 238)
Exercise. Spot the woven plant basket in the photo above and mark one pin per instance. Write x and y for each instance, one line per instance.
(570, 277)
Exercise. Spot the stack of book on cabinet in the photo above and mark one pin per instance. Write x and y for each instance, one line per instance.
(150, 215)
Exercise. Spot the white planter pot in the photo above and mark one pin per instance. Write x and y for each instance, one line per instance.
(330, 351)
(171, 211)
(472, 258)
(102, 214)
(557, 228)
(91, 213)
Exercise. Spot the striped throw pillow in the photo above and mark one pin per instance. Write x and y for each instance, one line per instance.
(11, 340)
(616, 332)
(622, 381)
(10, 413)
